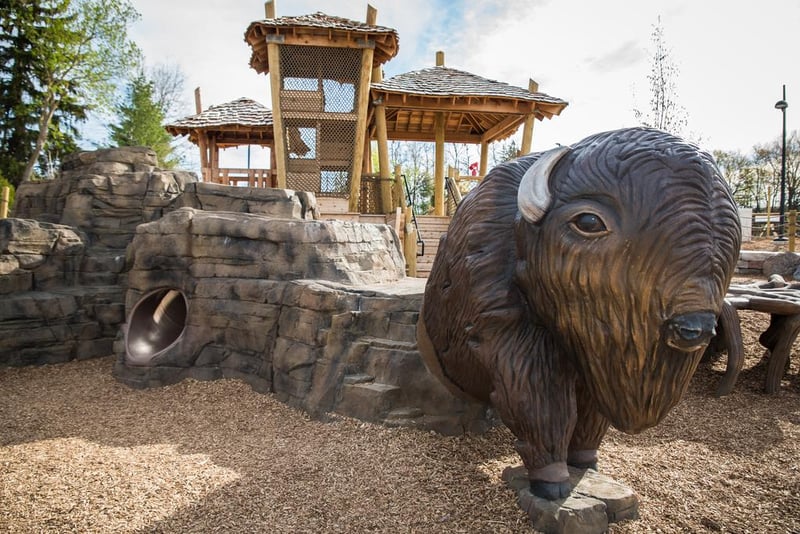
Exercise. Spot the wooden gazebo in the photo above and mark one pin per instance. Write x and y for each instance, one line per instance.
(441, 104)
(241, 122)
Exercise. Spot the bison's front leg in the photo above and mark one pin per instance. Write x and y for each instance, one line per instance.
(534, 394)
(590, 429)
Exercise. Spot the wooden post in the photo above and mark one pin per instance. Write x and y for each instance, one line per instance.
(383, 151)
(4, 200)
(273, 56)
(361, 127)
(530, 119)
(438, 176)
(410, 245)
(399, 191)
(482, 168)
(768, 226)
(398, 220)
(372, 15)
(202, 143)
(214, 153)
(269, 9)
(380, 131)
(792, 229)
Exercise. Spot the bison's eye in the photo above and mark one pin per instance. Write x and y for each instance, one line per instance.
(589, 223)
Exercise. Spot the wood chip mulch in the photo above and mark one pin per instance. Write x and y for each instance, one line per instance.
(80, 452)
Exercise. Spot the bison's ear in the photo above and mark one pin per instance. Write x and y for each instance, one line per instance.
(533, 196)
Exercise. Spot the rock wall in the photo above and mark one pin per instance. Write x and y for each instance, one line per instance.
(63, 269)
(46, 314)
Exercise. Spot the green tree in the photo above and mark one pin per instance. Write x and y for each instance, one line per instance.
(19, 22)
(73, 51)
(141, 120)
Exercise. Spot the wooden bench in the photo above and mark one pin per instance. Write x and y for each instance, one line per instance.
(778, 298)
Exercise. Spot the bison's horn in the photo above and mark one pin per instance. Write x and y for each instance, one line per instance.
(533, 197)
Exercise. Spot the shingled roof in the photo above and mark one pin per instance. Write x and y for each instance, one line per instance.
(241, 120)
(476, 109)
(318, 28)
(447, 82)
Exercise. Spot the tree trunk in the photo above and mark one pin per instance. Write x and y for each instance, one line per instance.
(44, 124)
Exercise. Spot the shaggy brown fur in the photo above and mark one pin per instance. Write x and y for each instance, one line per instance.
(562, 331)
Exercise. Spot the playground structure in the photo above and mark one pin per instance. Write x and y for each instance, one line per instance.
(330, 103)
(181, 278)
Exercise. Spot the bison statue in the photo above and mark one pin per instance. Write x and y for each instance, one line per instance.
(578, 288)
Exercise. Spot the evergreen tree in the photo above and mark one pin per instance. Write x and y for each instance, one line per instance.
(141, 120)
(58, 60)
(19, 24)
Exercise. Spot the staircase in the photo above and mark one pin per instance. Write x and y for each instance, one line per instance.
(431, 228)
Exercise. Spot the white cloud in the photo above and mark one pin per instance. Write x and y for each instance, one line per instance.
(733, 55)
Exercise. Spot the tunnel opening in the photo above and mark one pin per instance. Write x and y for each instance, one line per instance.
(156, 323)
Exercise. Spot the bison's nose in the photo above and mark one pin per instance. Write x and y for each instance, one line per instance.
(691, 331)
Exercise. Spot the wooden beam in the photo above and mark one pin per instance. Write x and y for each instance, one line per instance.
(502, 127)
(277, 116)
(269, 9)
(427, 103)
(438, 177)
(428, 136)
(361, 128)
(530, 119)
(326, 39)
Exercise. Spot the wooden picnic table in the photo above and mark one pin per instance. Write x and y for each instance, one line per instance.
(776, 297)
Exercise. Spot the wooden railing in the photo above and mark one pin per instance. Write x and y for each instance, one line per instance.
(240, 177)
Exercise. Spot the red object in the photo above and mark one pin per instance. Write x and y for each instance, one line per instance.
(473, 168)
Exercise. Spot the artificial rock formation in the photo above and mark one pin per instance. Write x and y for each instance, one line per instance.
(47, 315)
(249, 285)
(318, 312)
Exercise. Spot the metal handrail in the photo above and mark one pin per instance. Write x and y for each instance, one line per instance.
(420, 242)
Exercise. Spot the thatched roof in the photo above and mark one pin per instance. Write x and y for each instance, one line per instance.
(476, 109)
(321, 30)
(242, 121)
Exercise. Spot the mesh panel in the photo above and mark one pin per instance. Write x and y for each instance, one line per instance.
(319, 93)
(370, 199)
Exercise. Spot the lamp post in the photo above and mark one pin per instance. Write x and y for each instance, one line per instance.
(782, 105)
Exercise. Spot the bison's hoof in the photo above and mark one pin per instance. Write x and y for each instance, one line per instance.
(551, 490)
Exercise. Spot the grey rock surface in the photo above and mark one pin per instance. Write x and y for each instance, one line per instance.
(594, 502)
(294, 307)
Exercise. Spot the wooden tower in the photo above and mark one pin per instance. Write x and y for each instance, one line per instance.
(320, 69)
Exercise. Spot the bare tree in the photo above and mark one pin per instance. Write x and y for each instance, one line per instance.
(169, 84)
(664, 113)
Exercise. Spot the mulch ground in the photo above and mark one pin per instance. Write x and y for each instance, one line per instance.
(80, 452)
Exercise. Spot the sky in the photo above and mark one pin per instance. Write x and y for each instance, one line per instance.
(732, 56)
